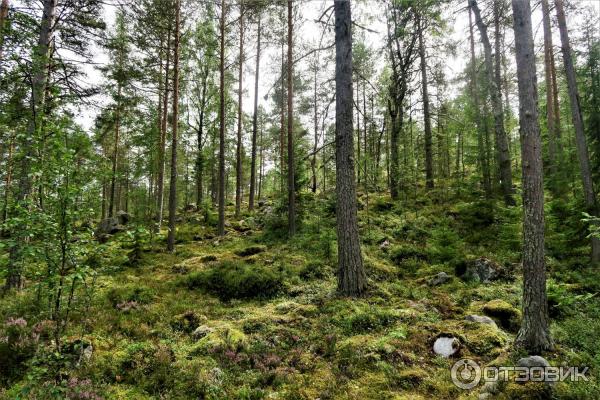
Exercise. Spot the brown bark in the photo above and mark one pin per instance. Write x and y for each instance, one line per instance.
(502, 152)
(163, 138)
(3, 16)
(255, 121)
(548, 72)
(238, 150)
(534, 334)
(426, 113)
(173, 181)
(580, 139)
(115, 158)
(351, 275)
(221, 188)
(290, 124)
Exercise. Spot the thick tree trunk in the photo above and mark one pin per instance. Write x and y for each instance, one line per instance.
(534, 334)
(502, 151)
(173, 181)
(238, 149)
(221, 195)
(351, 275)
(255, 121)
(290, 124)
(426, 113)
(200, 156)
(163, 139)
(580, 139)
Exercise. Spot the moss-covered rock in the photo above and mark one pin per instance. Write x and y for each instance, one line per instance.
(508, 316)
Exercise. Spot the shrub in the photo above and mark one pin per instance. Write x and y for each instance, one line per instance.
(130, 294)
(314, 270)
(250, 251)
(237, 280)
(407, 252)
(371, 319)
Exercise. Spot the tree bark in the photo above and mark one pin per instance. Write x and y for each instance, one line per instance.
(580, 139)
(534, 334)
(255, 120)
(3, 16)
(221, 195)
(502, 151)
(483, 160)
(351, 275)
(290, 124)
(426, 113)
(238, 150)
(553, 167)
(163, 138)
(174, 138)
(115, 157)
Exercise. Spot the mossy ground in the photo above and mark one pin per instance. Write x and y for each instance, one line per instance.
(303, 341)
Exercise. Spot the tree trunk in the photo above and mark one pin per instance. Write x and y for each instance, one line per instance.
(238, 150)
(115, 158)
(173, 181)
(483, 159)
(426, 113)
(534, 334)
(282, 120)
(7, 183)
(503, 155)
(3, 17)
(40, 65)
(313, 161)
(352, 279)
(163, 139)
(553, 167)
(290, 125)
(255, 121)
(221, 196)
(200, 156)
(580, 139)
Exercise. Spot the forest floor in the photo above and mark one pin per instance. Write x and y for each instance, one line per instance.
(255, 316)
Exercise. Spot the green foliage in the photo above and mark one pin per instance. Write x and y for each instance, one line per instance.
(129, 294)
(238, 280)
(405, 252)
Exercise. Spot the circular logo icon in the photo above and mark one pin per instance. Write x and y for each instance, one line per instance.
(466, 374)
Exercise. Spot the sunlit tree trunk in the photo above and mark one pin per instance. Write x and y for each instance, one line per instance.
(163, 138)
(255, 121)
(221, 185)
(290, 124)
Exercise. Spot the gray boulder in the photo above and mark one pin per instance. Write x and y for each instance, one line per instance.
(439, 279)
(482, 270)
(533, 361)
(201, 332)
(480, 319)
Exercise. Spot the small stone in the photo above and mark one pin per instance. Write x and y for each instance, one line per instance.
(446, 346)
(533, 361)
(484, 396)
(385, 245)
(439, 279)
(201, 331)
(481, 319)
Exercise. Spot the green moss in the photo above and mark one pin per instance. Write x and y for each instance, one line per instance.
(250, 251)
(508, 316)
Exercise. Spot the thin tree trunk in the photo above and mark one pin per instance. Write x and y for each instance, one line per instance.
(553, 167)
(7, 183)
(3, 16)
(200, 156)
(290, 125)
(238, 150)
(534, 334)
(352, 279)
(115, 158)
(221, 196)
(282, 132)
(313, 161)
(503, 155)
(255, 121)
(262, 163)
(173, 181)
(485, 169)
(426, 113)
(580, 139)
(163, 138)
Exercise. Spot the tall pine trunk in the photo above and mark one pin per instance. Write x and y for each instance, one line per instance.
(352, 279)
(426, 113)
(550, 121)
(238, 150)
(114, 198)
(255, 121)
(534, 334)
(502, 151)
(3, 17)
(290, 124)
(173, 181)
(221, 184)
(163, 139)
(580, 139)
